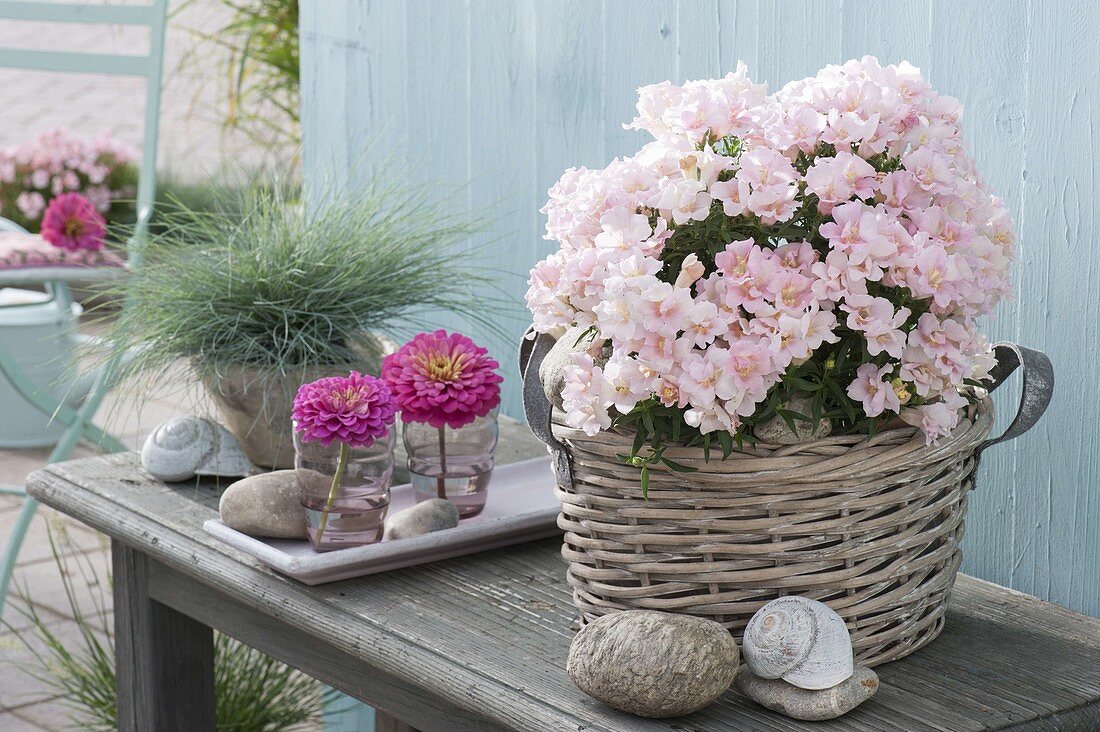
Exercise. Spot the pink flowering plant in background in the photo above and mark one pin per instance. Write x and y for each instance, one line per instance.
(831, 241)
(72, 222)
(353, 411)
(55, 163)
(445, 380)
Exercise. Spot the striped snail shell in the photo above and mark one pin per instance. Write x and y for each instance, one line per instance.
(799, 640)
(184, 447)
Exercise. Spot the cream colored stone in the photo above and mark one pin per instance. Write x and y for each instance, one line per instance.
(807, 704)
(653, 664)
(434, 514)
(268, 504)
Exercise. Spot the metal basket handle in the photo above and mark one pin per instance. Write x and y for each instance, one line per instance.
(536, 407)
(1038, 387)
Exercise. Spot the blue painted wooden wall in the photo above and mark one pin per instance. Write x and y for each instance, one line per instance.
(503, 95)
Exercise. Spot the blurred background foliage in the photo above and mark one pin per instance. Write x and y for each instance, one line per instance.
(261, 60)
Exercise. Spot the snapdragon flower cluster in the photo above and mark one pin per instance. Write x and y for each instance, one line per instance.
(55, 163)
(831, 241)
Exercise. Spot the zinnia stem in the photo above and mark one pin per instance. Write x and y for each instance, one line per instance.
(441, 481)
(341, 466)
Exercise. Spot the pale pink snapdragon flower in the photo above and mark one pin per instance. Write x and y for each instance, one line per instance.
(683, 200)
(837, 277)
(873, 389)
(791, 292)
(732, 194)
(796, 256)
(930, 169)
(705, 324)
(753, 364)
(919, 368)
(879, 322)
(845, 129)
(630, 382)
(819, 326)
(587, 395)
(622, 229)
(801, 129)
(936, 419)
(704, 165)
(661, 352)
(928, 227)
(711, 418)
(699, 379)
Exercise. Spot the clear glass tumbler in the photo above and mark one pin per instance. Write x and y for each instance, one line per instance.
(455, 464)
(356, 512)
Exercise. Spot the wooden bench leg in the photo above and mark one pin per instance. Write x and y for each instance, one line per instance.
(164, 660)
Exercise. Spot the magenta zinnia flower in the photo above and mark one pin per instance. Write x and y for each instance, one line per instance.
(72, 222)
(354, 409)
(442, 379)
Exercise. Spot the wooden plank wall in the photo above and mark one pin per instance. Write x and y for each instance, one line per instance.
(495, 98)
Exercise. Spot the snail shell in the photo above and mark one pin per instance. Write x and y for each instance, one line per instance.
(184, 447)
(801, 641)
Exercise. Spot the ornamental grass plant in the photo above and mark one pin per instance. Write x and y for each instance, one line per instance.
(266, 283)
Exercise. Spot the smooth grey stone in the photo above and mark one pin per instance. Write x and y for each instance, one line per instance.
(268, 504)
(552, 369)
(434, 514)
(653, 664)
(776, 432)
(808, 705)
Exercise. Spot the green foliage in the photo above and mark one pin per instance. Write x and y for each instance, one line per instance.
(263, 283)
(822, 380)
(262, 68)
(210, 196)
(254, 693)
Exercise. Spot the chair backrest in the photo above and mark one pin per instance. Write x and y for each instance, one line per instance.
(150, 67)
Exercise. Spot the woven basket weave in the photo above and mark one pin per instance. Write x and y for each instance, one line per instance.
(870, 526)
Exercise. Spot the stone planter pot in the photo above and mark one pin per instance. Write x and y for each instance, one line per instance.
(255, 405)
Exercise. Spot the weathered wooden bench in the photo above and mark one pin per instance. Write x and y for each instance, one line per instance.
(479, 643)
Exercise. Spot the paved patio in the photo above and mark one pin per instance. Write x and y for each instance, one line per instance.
(193, 144)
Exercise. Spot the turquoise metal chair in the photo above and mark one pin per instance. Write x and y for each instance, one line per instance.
(76, 414)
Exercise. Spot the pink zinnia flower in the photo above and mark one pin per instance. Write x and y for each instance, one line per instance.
(72, 222)
(355, 409)
(442, 379)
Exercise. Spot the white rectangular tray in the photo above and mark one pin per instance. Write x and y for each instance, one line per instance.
(520, 507)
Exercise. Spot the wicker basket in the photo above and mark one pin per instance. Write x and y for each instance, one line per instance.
(870, 526)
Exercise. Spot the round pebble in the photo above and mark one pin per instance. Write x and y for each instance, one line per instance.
(653, 664)
(268, 504)
(434, 514)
